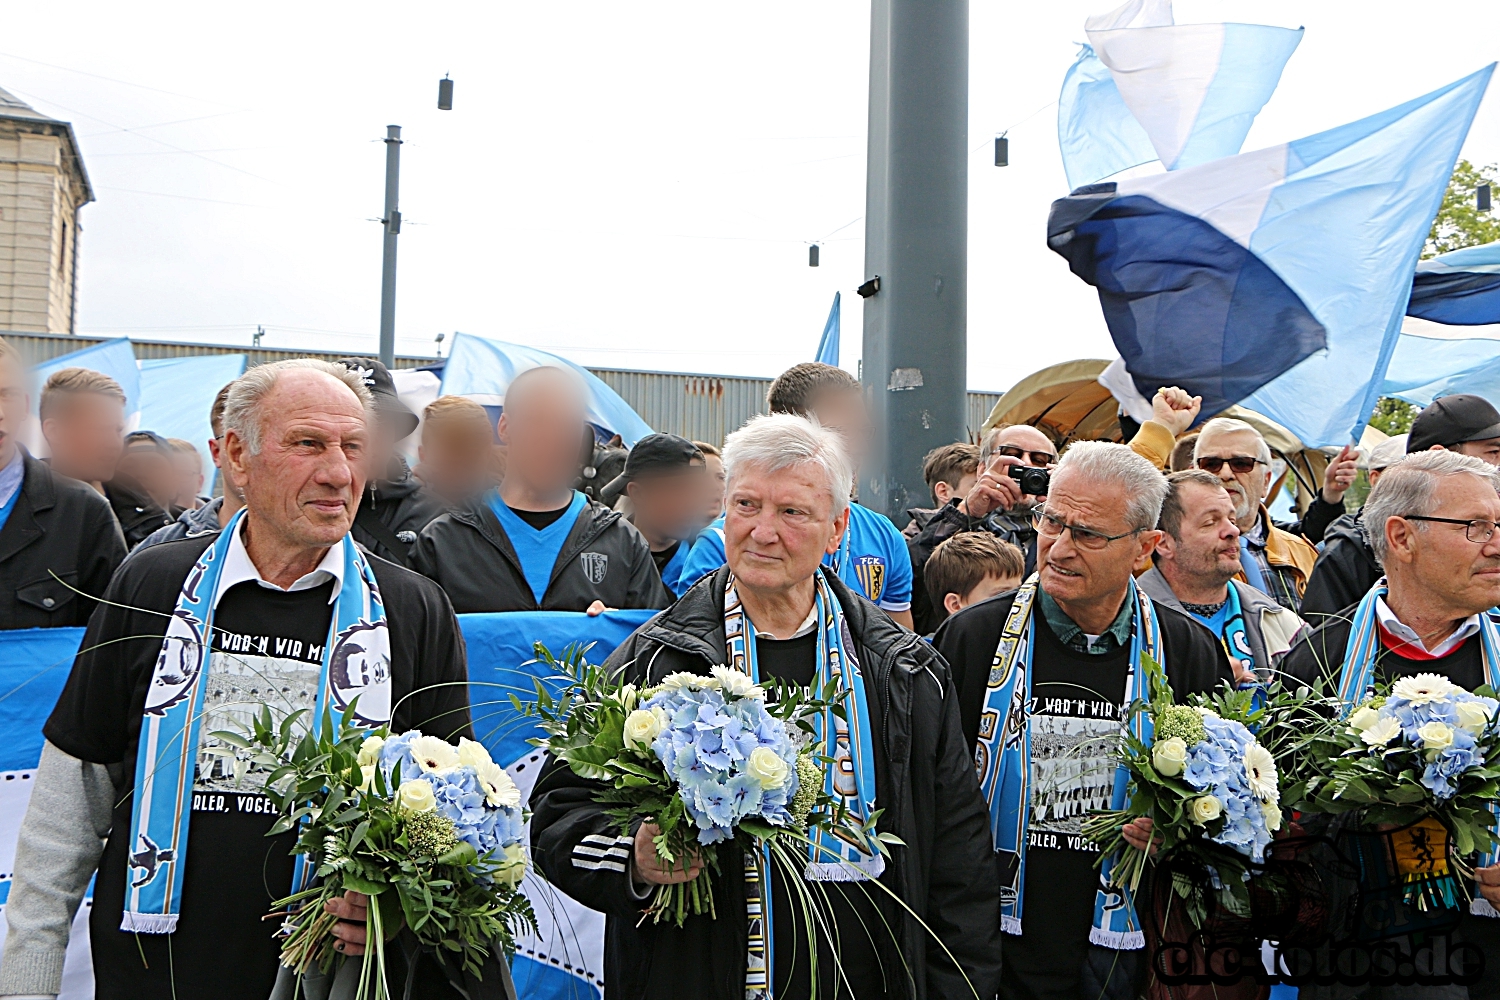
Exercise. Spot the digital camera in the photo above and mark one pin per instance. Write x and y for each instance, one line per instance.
(1034, 481)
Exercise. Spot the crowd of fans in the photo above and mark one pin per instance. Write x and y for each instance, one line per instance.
(541, 512)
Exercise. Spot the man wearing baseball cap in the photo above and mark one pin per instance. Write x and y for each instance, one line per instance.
(394, 507)
(1463, 423)
(666, 479)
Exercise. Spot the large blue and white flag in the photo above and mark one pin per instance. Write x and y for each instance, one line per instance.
(1276, 278)
(1424, 368)
(1145, 88)
(828, 344)
(115, 358)
(177, 395)
(1461, 287)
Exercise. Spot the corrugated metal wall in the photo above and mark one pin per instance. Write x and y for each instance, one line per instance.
(699, 407)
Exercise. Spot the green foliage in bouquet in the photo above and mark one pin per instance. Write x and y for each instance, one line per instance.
(360, 828)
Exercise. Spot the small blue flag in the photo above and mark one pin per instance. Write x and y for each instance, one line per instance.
(828, 346)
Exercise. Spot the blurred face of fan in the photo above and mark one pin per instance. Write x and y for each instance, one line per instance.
(540, 427)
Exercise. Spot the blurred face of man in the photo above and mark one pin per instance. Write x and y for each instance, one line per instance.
(14, 404)
(1246, 489)
(303, 486)
(844, 411)
(541, 425)
(85, 433)
(150, 468)
(189, 469)
(1208, 549)
(1437, 562)
(1487, 450)
(1081, 574)
(779, 525)
(456, 458)
(714, 486)
(668, 505)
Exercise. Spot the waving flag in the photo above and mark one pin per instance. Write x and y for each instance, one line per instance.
(1424, 368)
(1148, 89)
(1461, 287)
(828, 344)
(1276, 278)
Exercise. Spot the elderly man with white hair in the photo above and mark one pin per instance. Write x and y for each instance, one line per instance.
(192, 636)
(1043, 675)
(932, 928)
(1431, 520)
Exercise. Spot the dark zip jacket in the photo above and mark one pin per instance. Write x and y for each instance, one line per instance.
(1344, 572)
(403, 506)
(137, 513)
(603, 559)
(60, 538)
(925, 784)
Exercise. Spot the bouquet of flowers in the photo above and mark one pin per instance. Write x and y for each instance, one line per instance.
(1209, 787)
(430, 832)
(706, 758)
(1424, 752)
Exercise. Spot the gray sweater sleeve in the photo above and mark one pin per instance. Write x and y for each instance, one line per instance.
(57, 852)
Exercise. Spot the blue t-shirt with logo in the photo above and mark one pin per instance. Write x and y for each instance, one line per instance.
(537, 549)
(873, 558)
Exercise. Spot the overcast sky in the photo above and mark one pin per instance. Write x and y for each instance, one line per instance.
(631, 184)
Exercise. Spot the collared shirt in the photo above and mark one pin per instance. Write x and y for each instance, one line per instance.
(11, 476)
(807, 626)
(1469, 626)
(238, 568)
(1114, 637)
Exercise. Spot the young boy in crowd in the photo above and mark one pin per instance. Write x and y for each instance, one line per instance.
(971, 567)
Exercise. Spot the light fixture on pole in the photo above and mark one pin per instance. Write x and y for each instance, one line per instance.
(1482, 197)
(445, 94)
(812, 255)
(1002, 150)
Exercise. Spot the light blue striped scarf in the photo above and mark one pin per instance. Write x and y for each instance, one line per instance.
(1357, 678)
(1003, 757)
(356, 663)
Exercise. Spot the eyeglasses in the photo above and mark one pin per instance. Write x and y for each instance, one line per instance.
(1239, 463)
(1478, 530)
(1053, 526)
(1038, 458)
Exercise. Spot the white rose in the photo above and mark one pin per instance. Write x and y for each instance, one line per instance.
(369, 750)
(472, 753)
(1363, 719)
(1382, 732)
(367, 775)
(416, 796)
(1205, 809)
(513, 866)
(641, 727)
(1207, 713)
(628, 696)
(767, 768)
(499, 790)
(1436, 736)
(433, 754)
(1473, 716)
(1169, 757)
(1272, 812)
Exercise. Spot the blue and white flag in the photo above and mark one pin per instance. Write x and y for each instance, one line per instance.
(828, 345)
(1461, 287)
(177, 395)
(1145, 88)
(115, 358)
(1424, 368)
(1276, 278)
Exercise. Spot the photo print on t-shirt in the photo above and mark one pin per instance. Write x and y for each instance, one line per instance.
(1073, 742)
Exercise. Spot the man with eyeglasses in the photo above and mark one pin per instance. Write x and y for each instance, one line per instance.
(1042, 676)
(1431, 521)
(996, 504)
(1275, 559)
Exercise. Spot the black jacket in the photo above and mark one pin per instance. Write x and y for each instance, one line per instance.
(403, 507)
(925, 783)
(603, 559)
(1314, 524)
(137, 513)
(1344, 572)
(943, 524)
(60, 526)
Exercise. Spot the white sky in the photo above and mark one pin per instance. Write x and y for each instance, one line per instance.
(632, 185)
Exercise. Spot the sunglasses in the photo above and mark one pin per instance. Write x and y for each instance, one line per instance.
(1037, 458)
(1239, 463)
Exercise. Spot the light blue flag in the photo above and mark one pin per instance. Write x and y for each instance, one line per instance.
(1461, 287)
(1096, 132)
(1277, 278)
(177, 395)
(482, 369)
(828, 346)
(115, 358)
(1424, 368)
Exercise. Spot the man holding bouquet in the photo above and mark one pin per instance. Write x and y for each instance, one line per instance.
(1044, 676)
(1432, 524)
(919, 923)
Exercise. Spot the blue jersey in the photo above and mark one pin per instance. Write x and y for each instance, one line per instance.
(673, 574)
(872, 558)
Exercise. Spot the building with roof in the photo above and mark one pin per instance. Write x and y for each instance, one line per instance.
(42, 187)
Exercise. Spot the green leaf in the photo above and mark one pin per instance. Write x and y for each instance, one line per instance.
(364, 885)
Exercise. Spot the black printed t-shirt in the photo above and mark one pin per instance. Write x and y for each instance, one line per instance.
(540, 519)
(854, 911)
(664, 556)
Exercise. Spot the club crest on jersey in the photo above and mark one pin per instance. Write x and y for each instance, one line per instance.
(595, 565)
(871, 573)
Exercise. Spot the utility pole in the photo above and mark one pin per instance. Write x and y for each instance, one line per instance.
(392, 224)
(916, 243)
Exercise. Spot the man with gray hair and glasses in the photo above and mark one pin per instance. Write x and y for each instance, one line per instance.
(1431, 522)
(280, 608)
(777, 613)
(1043, 675)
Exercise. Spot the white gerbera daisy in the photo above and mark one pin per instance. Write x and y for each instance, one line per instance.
(1260, 773)
(1423, 688)
(433, 754)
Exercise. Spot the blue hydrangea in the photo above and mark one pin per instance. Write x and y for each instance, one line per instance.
(460, 798)
(1216, 766)
(1434, 699)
